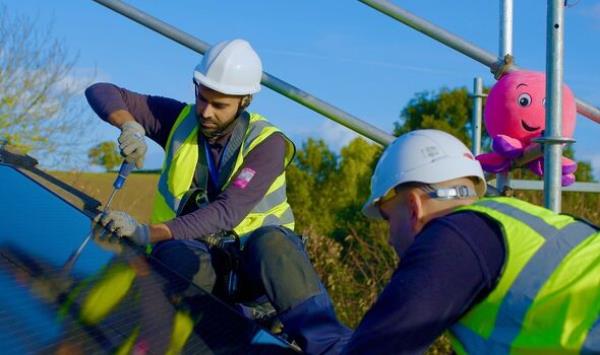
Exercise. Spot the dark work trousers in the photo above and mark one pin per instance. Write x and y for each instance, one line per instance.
(273, 263)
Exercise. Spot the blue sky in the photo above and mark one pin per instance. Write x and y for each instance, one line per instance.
(343, 52)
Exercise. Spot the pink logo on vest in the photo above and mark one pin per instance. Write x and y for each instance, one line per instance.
(244, 178)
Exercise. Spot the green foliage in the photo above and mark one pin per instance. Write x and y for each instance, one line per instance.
(316, 159)
(40, 108)
(321, 178)
(446, 110)
(105, 154)
(308, 179)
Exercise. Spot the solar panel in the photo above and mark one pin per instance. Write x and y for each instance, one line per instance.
(108, 302)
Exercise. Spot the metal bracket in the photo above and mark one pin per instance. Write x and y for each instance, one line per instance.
(9, 155)
(475, 95)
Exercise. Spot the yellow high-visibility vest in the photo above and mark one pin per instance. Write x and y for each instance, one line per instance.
(180, 164)
(547, 299)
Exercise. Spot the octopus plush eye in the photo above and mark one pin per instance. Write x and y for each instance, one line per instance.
(524, 100)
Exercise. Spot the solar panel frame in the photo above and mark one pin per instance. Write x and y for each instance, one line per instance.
(62, 297)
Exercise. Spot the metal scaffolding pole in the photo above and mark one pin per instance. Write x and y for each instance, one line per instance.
(459, 44)
(516, 184)
(506, 28)
(553, 139)
(278, 85)
(505, 47)
(476, 115)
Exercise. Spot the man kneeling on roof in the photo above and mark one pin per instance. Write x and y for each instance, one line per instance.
(222, 184)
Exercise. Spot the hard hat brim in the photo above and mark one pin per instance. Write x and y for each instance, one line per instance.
(370, 210)
(225, 89)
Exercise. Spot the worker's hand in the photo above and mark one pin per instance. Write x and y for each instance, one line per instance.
(124, 226)
(132, 143)
(105, 240)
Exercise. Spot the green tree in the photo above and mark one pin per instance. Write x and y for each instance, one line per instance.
(327, 189)
(40, 98)
(446, 110)
(105, 154)
(308, 179)
(351, 185)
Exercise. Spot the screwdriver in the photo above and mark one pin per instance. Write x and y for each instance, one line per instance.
(124, 171)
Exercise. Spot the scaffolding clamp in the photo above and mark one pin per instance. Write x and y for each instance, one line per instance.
(502, 66)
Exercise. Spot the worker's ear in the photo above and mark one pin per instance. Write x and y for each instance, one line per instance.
(415, 208)
(246, 100)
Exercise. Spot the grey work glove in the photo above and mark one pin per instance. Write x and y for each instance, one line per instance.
(106, 240)
(132, 143)
(124, 226)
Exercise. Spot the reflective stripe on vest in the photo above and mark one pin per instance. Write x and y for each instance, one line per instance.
(548, 296)
(180, 163)
(183, 132)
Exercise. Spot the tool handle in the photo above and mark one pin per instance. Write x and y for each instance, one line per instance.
(124, 171)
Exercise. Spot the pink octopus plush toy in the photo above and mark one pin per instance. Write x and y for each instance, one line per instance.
(515, 114)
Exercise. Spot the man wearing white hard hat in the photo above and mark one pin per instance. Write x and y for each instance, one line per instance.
(499, 274)
(221, 195)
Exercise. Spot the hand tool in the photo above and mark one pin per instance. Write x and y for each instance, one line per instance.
(124, 171)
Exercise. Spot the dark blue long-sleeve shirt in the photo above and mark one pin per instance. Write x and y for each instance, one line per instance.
(454, 262)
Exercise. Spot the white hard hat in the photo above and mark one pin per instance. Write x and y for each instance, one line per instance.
(230, 67)
(428, 156)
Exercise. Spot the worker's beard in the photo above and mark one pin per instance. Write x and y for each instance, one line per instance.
(215, 132)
